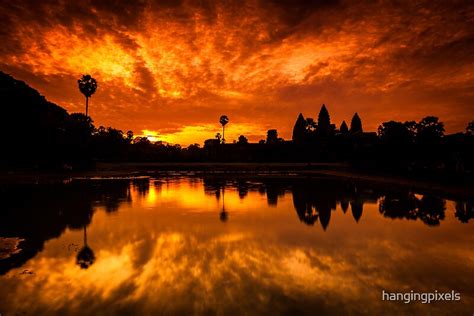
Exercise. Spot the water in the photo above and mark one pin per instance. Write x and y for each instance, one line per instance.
(234, 245)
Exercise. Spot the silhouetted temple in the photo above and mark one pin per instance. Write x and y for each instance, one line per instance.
(52, 138)
(306, 130)
(312, 140)
(299, 130)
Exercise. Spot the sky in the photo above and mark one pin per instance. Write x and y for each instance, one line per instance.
(170, 69)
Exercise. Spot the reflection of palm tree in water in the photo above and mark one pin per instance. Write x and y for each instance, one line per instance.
(224, 215)
(464, 211)
(85, 257)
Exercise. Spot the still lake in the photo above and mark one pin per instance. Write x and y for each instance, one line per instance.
(180, 244)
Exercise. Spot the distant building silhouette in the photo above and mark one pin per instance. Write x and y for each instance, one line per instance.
(356, 124)
(299, 130)
(324, 122)
(272, 136)
(242, 140)
(51, 138)
(344, 129)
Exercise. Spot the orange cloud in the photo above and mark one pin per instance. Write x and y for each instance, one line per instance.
(163, 67)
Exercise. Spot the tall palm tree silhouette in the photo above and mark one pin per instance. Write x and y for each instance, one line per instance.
(87, 86)
(85, 257)
(223, 120)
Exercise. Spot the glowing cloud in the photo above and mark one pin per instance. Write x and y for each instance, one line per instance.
(174, 68)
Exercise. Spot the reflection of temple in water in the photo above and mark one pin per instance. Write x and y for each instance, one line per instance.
(314, 201)
(37, 213)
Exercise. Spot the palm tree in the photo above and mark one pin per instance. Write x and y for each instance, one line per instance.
(87, 86)
(85, 257)
(223, 120)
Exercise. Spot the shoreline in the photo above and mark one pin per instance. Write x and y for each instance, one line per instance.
(245, 170)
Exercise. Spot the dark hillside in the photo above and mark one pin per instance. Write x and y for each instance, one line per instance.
(31, 125)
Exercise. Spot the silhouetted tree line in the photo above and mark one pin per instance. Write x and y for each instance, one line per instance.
(423, 148)
(414, 148)
(40, 134)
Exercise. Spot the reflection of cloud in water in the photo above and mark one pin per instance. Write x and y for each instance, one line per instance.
(182, 273)
(228, 273)
(156, 255)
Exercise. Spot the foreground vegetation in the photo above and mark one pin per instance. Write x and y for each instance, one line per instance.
(45, 136)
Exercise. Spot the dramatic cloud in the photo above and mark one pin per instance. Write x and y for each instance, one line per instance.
(173, 67)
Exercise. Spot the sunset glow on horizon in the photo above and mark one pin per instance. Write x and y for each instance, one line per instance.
(169, 69)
